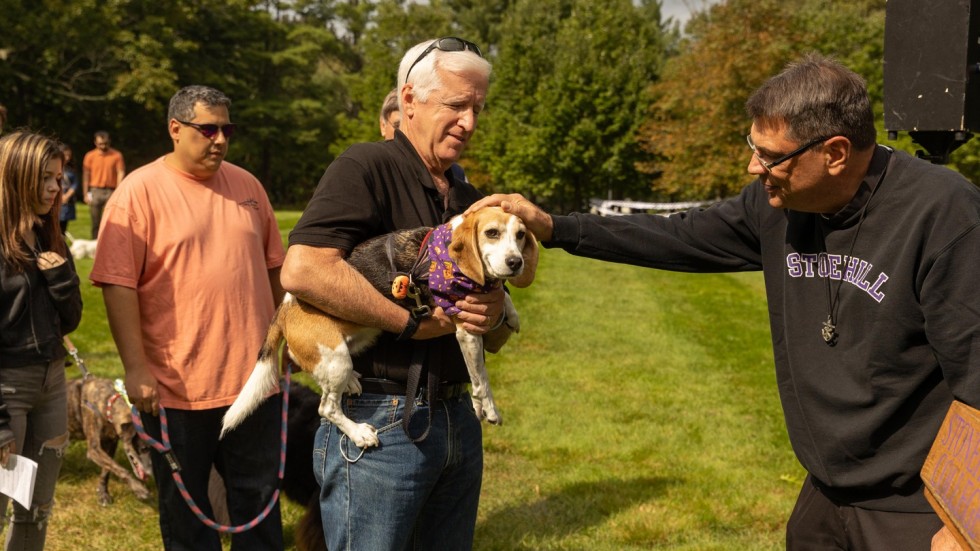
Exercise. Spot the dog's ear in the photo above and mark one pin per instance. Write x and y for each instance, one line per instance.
(530, 255)
(464, 249)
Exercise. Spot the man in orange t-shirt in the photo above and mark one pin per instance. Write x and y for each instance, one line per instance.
(188, 261)
(102, 170)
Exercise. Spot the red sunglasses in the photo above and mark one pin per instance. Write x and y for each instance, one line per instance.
(211, 130)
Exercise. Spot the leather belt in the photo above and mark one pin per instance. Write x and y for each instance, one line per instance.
(446, 391)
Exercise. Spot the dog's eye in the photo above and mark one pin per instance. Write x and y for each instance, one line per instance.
(492, 233)
(520, 235)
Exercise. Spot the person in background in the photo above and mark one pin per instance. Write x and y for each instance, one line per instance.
(391, 117)
(103, 168)
(188, 261)
(70, 190)
(429, 481)
(869, 257)
(40, 303)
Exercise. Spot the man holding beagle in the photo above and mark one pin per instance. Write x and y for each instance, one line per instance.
(419, 491)
(869, 257)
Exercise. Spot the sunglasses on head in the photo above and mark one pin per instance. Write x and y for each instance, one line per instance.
(446, 44)
(209, 131)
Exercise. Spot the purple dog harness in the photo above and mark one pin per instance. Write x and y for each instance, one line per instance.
(446, 281)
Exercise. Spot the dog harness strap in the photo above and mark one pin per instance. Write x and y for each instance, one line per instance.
(108, 405)
(420, 260)
(412, 389)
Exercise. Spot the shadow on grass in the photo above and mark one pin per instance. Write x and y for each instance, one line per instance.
(573, 509)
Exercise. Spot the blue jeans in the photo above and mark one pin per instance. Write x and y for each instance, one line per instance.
(36, 400)
(401, 495)
(248, 460)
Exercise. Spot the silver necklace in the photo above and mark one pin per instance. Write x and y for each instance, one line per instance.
(829, 329)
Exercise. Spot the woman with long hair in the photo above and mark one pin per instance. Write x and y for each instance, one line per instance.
(40, 302)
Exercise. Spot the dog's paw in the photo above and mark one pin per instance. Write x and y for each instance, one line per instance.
(363, 435)
(140, 491)
(354, 384)
(485, 409)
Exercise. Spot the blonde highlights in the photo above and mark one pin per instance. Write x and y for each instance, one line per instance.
(23, 159)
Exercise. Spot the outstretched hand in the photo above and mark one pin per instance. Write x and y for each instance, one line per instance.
(537, 221)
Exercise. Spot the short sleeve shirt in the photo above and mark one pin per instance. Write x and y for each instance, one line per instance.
(198, 253)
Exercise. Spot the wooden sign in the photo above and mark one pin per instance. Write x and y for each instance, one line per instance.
(952, 474)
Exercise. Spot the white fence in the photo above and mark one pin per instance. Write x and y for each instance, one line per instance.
(609, 207)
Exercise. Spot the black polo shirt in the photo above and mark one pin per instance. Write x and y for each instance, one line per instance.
(373, 189)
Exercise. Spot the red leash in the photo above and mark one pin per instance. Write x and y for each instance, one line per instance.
(165, 449)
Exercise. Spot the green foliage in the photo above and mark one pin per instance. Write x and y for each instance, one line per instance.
(587, 99)
(75, 67)
(698, 123)
(563, 112)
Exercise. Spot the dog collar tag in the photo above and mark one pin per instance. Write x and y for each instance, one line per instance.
(399, 286)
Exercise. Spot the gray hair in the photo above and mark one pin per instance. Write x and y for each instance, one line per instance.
(816, 97)
(424, 77)
(389, 105)
(183, 102)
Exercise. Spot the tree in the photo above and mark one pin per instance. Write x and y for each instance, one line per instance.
(697, 122)
(79, 66)
(563, 111)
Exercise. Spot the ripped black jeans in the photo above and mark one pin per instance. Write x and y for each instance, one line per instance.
(36, 400)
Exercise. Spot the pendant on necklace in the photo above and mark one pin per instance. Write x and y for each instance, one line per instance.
(829, 332)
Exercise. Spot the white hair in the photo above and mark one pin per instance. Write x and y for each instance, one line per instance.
(425, 77)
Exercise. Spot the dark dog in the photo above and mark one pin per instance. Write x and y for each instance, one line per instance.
(298, 483)
(100, 416)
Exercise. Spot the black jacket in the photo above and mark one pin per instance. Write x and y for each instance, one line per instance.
(37, 308)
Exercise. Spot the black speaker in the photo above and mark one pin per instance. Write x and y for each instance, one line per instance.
(932, 70)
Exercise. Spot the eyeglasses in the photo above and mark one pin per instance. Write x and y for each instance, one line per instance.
(211, 130)
(768, 165)
(446, 44)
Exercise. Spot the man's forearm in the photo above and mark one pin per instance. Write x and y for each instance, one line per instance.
(322, 278)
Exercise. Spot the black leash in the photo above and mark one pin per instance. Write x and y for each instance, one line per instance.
(407, 281)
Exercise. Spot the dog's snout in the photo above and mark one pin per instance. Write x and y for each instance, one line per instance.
(515, 263)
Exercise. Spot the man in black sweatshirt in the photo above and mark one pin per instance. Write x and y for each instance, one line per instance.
(870, 259)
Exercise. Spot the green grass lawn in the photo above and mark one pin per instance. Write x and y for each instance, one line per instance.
(640, 412)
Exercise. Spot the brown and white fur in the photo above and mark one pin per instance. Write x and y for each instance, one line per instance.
(98, 414)
(488, 245)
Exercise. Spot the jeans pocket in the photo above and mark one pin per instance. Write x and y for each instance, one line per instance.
(381, 412)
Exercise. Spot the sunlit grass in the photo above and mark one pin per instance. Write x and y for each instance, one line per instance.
(640, 412)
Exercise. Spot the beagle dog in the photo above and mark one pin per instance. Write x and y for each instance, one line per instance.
(469, 254)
